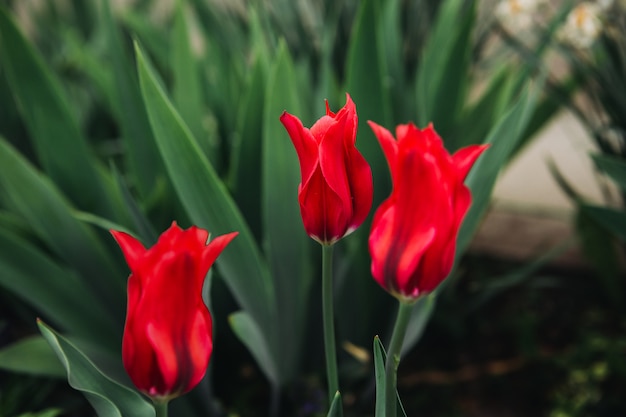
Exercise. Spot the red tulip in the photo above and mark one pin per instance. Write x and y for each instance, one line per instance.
(167, 337)
(413, 237)
(335, 192)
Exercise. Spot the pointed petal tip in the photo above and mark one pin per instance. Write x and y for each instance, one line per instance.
(132, 248)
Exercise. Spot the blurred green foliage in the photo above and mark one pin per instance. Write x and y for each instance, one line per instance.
(128, 118)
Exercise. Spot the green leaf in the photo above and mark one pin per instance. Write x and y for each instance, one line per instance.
(379, 371)
(336, 409)
(287, 245)
(391, 37)
(613, 166)
(503, 139)
(31, 355)
(51, 412)
(187, 88)
(245, 174)
(380, 357)
(104, 224)
(365, 75)
(444, 68)
(141, 151)
(595, 233)
(248, 331)
(35, 198)
(610, 219)
(514, 278)
(144, 228)
(107, 397)
(209, 205)
(56, 292)
(61, 149)
(478, 120)
(155, 39)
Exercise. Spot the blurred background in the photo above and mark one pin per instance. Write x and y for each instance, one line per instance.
(131, 114)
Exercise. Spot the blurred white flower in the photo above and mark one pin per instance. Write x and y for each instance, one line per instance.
(516, 14)
(583, 25)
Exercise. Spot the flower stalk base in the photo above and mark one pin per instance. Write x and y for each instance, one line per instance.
(393, 357)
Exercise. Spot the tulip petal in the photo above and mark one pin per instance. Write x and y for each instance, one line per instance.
(380, 241)
(465, 158)
(199, 346)
(132, 249)
(387, 143)
(304, 142)
(213, 250)
(167, 336)
(332, 157)
(322, 210)
(166, 381)
(413, 237)
(361, 188)
(417, 176)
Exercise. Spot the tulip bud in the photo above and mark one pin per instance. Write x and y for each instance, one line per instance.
(413, 237)
(167, 337)
(336, 190)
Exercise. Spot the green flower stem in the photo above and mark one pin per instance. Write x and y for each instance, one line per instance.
(161, 408)
(329, 325)
(393, 357)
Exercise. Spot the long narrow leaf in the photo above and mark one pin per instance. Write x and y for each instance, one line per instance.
(247, 330)
(245, 175)
(336, 409)
(380, 357)
(379, 370)
(141, 151)
(35, 198)
(31, 355)
(443, 71)
(56, 292)
(610, 219)
(209, 205)
(614, 167)
(368, 90)
(503, 139)
(186, 89)
(61, 149)
(107, 397)
(287, 245)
